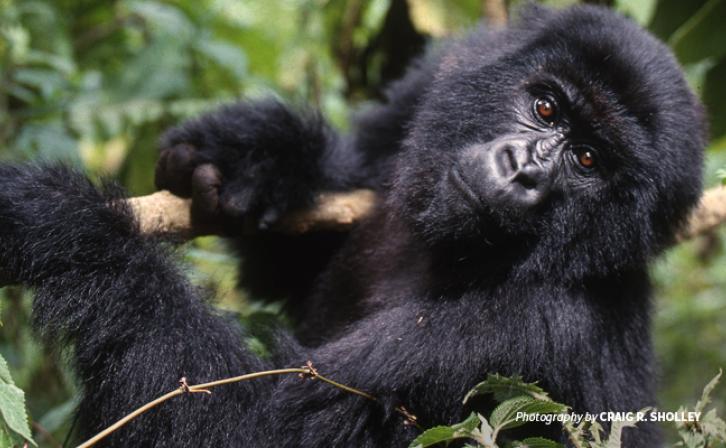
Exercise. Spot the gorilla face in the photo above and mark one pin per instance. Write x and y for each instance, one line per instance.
(578, 139)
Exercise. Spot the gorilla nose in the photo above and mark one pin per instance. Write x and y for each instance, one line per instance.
(506, 174)
(524, 181)
(531, 177)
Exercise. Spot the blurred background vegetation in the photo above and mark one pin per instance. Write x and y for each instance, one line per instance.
(95, 83)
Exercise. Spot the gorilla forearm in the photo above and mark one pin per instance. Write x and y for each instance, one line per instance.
(272, 155)
(136, 323)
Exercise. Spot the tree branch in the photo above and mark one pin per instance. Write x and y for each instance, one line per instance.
(495, 11)
(709, 214)
(164, 213)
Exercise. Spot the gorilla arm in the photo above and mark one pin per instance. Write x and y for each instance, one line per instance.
(136, 323)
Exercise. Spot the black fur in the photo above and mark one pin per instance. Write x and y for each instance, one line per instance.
(421, 300)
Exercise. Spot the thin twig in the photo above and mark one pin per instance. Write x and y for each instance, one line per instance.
(307, 371)
(179, 391)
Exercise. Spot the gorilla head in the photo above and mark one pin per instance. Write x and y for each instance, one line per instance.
(575, 139)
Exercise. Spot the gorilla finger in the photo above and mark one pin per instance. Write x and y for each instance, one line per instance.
(175, 167)
(206, 181)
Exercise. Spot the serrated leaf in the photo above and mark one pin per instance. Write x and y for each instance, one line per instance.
(504, 416)
(504, 388)
(713, 426)
(616, 433)
(540, 442)
(507, 411)
(484, 434)
(692, 439)
(596, 431)
(5, 372)
(706, 395)
(12, 408)
(440, 434)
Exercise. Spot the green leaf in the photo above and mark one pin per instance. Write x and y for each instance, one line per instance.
(540, 442)
(48, 82)
(159, 70)
(640, 10)
(504, 416)
(225, 55)
(506, 412)
(12, 408)
(596, 430)
(701, 36)
(166, 19)
(5, 372)
(504, 388)
(49, 140)
(692, 439)
(713, 426)
(6, 438)
(714, 97)
(671, 14)
(616, 433)
(439, 434)
(706, 395)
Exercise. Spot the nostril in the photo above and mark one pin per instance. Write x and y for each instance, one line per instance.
(526, 181)
(528, 177)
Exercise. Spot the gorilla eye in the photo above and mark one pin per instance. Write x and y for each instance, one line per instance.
(546, 109)
(585, 157)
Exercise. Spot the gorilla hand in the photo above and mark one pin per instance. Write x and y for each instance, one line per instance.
(247, 163)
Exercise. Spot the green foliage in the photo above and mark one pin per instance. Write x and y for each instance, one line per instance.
(515, 398)
(640, 10)
(694, 32)
(504, 388)
(537, 442)
(14, 428)
(504, 416)
(710, 430)
(699, 37)
(463, 430)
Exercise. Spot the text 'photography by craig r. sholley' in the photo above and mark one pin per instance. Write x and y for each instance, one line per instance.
(640, 416)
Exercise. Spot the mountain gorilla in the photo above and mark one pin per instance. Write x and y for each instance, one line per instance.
(526, 177)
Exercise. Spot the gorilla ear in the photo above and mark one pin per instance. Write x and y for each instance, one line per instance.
(531, 15)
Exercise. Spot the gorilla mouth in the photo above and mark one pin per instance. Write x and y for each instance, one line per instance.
(466, 191)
